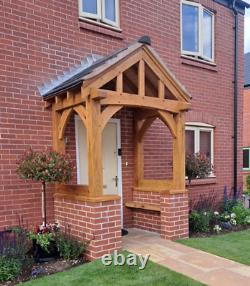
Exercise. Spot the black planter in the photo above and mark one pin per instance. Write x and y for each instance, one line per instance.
(40, 255)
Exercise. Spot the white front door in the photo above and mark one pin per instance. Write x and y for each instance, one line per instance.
(110, 159)
(111, 143)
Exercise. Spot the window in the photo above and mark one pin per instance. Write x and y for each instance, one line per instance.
(246, 158)
(200, 139)
(106, 11)
(197, 31)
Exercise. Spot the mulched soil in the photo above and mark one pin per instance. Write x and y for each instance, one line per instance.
(44, 269)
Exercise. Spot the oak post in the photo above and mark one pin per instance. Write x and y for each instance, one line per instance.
(139, 153)
(94, 147)
(179, 154)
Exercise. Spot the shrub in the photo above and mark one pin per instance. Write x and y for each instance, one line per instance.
(42, 239)
(10, 268)
(247, 192)
(230, 199)
(241, 213)
(14, 259)
(68, 247)
(247, 220)
(197, 166)
(199, 222)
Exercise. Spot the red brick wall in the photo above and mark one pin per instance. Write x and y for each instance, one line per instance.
(97, 223)
(144, 219)
(174, 216)
(40, 39)
(158, 152)
(246, 126)
(70, 145)
(246, 118)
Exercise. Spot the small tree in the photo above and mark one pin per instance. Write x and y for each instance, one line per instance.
(197, 166)
(45, 167)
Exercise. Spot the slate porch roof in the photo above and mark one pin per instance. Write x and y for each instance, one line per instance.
(94, 64)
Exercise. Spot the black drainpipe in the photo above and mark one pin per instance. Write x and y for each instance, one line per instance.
(235, 136)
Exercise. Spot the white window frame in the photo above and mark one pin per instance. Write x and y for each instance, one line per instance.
(197, 127)
(100, 16)
(105, 20)
(246, 169)
(97, 16)
(198, 54)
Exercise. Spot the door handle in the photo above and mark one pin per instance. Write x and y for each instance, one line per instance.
(116, 180)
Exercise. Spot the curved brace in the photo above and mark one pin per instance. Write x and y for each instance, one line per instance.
(168, 119)
(63, 122)
(107, 113)
(81, 111)
(144, 127)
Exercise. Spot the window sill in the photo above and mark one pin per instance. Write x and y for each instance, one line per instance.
(100, 28)
(199, 182)
(190, 61)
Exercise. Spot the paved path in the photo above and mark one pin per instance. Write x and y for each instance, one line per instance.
(201, 266)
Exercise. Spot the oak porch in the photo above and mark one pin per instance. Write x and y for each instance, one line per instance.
(134, 77)
(95, 105)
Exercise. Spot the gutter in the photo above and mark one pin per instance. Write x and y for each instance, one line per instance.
(235, 133)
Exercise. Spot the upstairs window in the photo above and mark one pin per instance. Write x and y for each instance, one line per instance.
(106, 11)
(197, 31)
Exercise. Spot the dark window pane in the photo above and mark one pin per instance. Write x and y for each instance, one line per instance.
(110, 10)
(205, 143)
(190, 28)
(189, 141)
(246, 158)
(89, 6)
(207, 34)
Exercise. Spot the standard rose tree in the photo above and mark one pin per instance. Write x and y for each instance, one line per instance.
(45, 167)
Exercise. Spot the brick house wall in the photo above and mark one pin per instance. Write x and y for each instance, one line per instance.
(246, 124)
(40, 39)
(246, 118)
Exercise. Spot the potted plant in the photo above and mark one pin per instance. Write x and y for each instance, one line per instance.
(45, 167)
(246, 193)
(197, 166)
(44, 245)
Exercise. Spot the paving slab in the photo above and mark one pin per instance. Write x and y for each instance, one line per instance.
(199, 265)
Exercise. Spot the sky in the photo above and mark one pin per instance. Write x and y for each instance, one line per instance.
(247, 29)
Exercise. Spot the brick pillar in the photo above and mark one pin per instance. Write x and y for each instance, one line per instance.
(174, 216)
(99, 223)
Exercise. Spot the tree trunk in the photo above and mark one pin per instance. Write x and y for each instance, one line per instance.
(44, 216)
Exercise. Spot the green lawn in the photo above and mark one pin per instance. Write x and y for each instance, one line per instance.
(95, 273)
(234, 246)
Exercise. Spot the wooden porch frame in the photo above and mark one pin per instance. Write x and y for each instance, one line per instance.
(95, 106)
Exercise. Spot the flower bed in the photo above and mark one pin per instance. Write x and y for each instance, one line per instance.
(208, 219)
(28, 254)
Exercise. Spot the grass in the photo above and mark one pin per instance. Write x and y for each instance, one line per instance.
(234, 246)
(95, 273)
